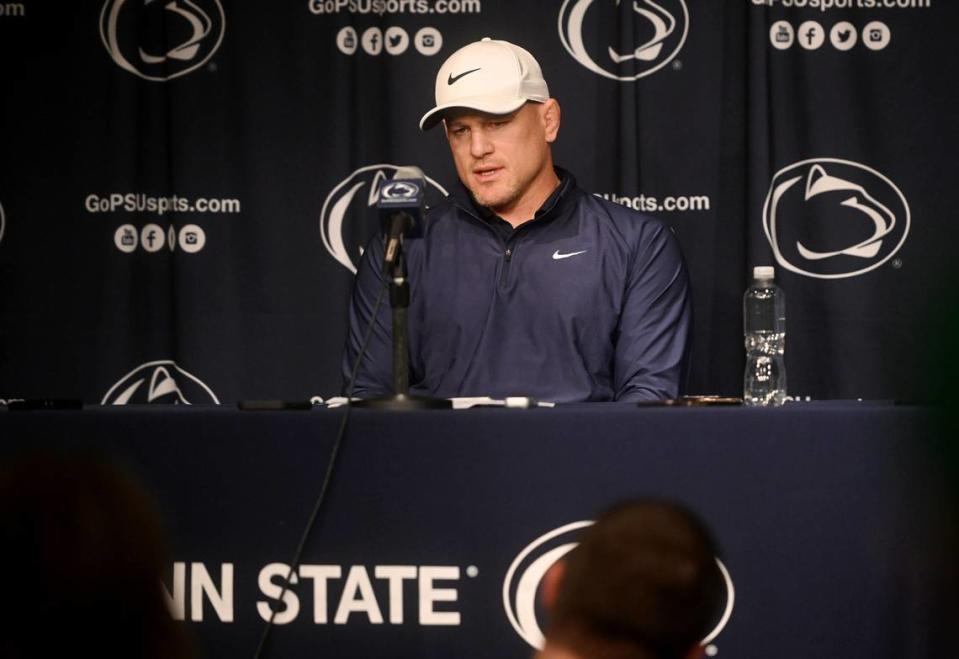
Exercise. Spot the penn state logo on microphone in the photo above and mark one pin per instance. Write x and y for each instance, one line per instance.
(160, 381)
(399, 191)
(349, 218)
(592, 31)
(161, 39)
(829, 218)
(521, 584)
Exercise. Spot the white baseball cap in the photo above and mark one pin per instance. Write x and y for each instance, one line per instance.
(490, 76)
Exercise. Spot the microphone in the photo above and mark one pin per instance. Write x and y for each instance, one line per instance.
(401, 210)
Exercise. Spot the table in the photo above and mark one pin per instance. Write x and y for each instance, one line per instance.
(830, 518)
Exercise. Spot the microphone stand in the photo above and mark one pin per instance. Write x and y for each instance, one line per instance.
(395, 270)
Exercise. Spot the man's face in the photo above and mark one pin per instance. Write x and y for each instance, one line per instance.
(502, 158)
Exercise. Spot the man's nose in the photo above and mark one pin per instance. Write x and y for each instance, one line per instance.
(480, 145)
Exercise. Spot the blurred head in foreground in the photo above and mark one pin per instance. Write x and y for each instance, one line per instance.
(84, 556)
(642, 584)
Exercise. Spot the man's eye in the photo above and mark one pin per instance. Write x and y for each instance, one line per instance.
(459, 132)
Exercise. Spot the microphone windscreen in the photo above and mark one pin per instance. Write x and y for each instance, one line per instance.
(403, 196)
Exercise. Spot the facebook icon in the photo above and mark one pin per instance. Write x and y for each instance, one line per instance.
(152, 238)
(372, 41)
(812, 35)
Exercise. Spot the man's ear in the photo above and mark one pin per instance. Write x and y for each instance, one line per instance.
(552, 581)
(551, 114)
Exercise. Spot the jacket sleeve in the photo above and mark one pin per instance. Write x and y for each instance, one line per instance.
(375, 375)
(655, 327)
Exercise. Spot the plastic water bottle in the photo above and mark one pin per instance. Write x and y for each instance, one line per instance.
(764, 326)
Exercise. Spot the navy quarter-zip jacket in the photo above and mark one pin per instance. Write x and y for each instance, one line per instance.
(588, 301)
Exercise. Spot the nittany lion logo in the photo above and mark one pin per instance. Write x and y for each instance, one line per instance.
(159, 382)
(161, 39)
(349, 217)
(399, 190)
(592, 32)
(829, 218)
(523, 578)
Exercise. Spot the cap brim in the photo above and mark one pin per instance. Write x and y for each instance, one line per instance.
(490, 106)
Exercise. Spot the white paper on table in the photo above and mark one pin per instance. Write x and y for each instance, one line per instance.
(466, 402)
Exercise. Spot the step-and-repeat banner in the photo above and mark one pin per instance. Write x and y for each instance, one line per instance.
(185, 184)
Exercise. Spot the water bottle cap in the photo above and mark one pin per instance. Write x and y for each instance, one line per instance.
(764, 273)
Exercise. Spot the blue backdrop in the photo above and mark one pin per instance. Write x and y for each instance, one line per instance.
(185, 186)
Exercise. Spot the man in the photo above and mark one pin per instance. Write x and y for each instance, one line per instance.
(642, 584)
(524, 284)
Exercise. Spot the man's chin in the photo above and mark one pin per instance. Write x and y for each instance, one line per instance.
(491, 200)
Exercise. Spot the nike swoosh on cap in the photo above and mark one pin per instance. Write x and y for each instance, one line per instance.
(557, 256)
(452, 78)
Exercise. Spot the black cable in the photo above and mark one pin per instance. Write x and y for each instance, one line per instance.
(329, 472)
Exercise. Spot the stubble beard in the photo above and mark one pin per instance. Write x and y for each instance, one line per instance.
(500, 197)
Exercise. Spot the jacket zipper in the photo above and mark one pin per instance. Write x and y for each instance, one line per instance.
(507, 259)
(507, 249)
